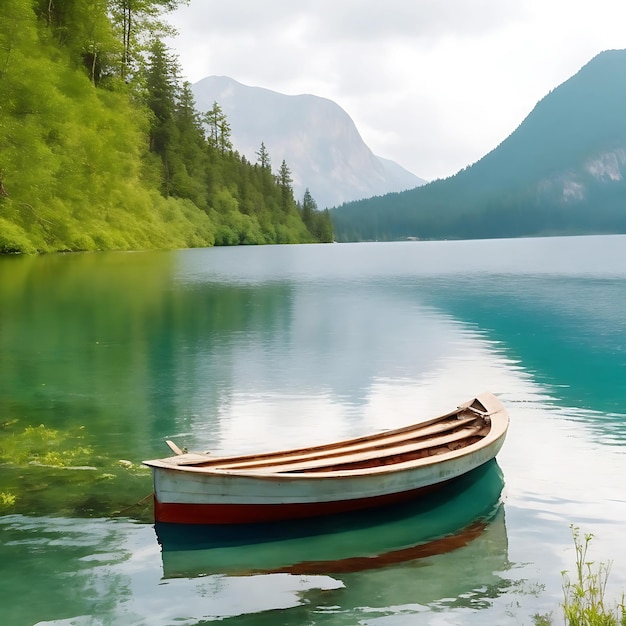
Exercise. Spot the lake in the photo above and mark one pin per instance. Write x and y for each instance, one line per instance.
(104, 356)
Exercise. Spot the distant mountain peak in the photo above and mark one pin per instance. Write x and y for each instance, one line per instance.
(315, 136)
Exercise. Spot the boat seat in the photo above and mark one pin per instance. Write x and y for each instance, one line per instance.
(387, 452)
(376, 442)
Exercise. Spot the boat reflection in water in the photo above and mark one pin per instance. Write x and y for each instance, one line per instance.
(439, 523)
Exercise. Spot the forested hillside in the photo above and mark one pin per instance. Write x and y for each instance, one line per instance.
(563, 171)
(101, 146)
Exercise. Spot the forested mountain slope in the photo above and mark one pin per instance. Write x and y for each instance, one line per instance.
(561, 172)
(101, 146)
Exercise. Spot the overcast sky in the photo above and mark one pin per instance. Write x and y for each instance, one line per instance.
(432, 84)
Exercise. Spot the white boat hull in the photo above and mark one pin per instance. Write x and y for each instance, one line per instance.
(193, 494)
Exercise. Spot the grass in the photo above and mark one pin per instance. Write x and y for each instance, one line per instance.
(584, 595)
(584, 602)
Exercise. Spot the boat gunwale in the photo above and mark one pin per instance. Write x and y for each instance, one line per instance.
(206, 460)
(403, 466)
(381, 442)
(487, 400)
(498, 418)
(402, 448)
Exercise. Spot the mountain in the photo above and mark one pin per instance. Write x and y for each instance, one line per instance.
(316, 137)
(562, 171)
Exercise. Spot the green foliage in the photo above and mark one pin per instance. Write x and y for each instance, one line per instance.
(584, 603)
(14, 239)
(101, 147)
(84, 29)
(584, 595)
(136, 23)
(319, 223)
(71, 155)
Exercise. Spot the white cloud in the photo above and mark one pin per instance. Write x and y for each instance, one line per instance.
(432, 85)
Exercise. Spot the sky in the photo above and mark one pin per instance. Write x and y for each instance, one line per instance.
(431, 84)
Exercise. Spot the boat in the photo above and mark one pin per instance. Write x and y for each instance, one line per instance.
(445, 521)
(370, 471)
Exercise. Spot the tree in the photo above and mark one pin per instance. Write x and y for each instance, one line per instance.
(284, 181)
(84, 27)
(189, 149)
(186, 114)
(97, 44)
(137, 22)
(325, 231)
(263, 157)
(318, 223)
(224, 144)
(218, 129)
(309, 207)
(161, 87)
(17, 30)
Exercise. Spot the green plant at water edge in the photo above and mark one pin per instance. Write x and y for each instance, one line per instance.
(584, 603)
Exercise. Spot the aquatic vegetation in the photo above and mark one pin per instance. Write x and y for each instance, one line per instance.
(57, 471)
(7, 500)
(42, 445)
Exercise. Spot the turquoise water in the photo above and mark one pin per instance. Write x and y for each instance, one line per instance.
(236, 350)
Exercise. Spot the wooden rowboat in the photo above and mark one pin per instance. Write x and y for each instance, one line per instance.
(366, 472)
(462, 512)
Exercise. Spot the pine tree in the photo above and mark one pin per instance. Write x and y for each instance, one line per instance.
(218, 129)
(319, 223)
(161, 87)
(309, 207)
(137, 23)
(263, 157)
(284, 182)
(189, 150)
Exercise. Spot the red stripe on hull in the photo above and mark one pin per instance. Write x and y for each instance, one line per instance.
(181, 513)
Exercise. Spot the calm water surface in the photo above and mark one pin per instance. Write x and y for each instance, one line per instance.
(103, 356)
